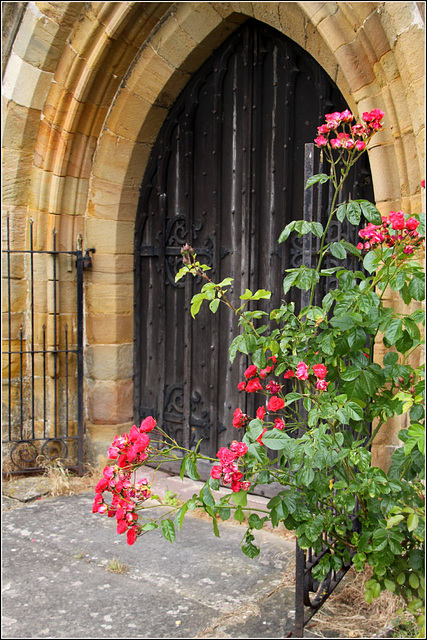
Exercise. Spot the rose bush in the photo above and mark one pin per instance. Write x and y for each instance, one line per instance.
(326, 398)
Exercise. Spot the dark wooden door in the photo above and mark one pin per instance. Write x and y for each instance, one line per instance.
(226, 175)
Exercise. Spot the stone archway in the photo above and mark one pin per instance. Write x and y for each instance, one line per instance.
(92, 100)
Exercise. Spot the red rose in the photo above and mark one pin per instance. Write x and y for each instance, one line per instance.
(275, 403)
(241, 386)
(289, 374)
(253, 386)
(259, 439)
(131, 535)
(147, 424)
(260, 413)
(250, 371)
(320, 371)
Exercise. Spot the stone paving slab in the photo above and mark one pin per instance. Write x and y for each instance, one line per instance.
(56, 585)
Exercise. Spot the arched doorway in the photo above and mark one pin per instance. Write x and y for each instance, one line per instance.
(226, 175)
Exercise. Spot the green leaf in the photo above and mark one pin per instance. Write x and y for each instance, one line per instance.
(342, 211)
(191, 469)
(239, 515)
(215, 527)
(371, 262)
(394, 331)
(213, 306)
(391, 522)
(224, 513)
(417, 288)
(207, 497)
(317, 229)
(179, 518)
(249, 549)
(289, 281)
(168, 530)
(275, 439)
(319, 177)
(413, 521)
(149, 526)
(240, 498)
(353, 212)
(354, 411)
(338, 251)
(370, 212)
(255, 521)
(261, 294)
(196, 303)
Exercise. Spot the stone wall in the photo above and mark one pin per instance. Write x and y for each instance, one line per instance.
(86, 89)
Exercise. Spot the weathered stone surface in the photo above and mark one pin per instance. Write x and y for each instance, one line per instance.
(383, 166)
(336, 30)
(109, 298)
(110, 402)
(112, 269)
(195, 586)
(355, 65)
(32, 87)
(109, 200)
(120, 160)
(20, 126)
(134, 118)
(26, 489)
(109, 362)
(204, 24)
(40, 40)
(110, 236)
(109, 329)
(155, 80)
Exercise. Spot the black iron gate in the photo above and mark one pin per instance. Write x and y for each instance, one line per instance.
(43, 357)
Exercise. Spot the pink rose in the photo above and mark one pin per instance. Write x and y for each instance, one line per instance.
(412, 224)
(321, 385)
(302, 371)
(279, 424)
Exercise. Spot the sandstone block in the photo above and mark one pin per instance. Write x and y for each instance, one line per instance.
(336, 30)
(233, 11)
(18, 226)
(410, 55)
(105, 329)
(155, 80)
(64, 13)
(24, 84)
(109, 299)
(16, 167)
(355, 65)
(318, 11)
(112, 269)
(20, 126)
(134, 118)
(40, 40)
(109, 236)
(375, 34)
(381, 455)
(120, 160)
(109, 200)
(383, 160)
(178, 48)
(204, 24)
(110, 402)
(361, 9)
(109, 362)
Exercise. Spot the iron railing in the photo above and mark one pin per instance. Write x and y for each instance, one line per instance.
(43, 361)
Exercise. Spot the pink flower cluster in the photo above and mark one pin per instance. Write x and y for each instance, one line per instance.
(127, 450)
(228, 468)
(406, 235)
(302, 372)
(356, 137)
(252, 384)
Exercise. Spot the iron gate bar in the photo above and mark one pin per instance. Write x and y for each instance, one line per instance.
(55, 351)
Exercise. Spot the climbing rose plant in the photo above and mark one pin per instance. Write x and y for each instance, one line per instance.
(325, 399)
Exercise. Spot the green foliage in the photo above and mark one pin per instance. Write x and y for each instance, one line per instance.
(322, 456)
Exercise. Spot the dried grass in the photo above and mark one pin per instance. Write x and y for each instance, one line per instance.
(347, 609)
(65, 483)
